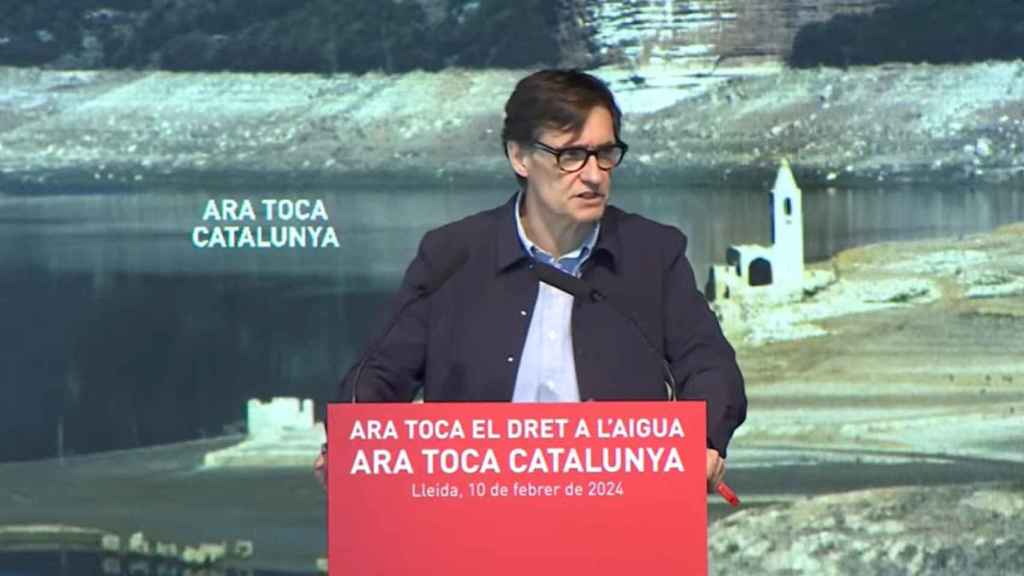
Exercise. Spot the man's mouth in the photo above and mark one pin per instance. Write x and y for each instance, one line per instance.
(590, 195)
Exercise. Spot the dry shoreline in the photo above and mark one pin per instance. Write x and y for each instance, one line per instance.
(916, 346)
(913, 352)
(843, 128)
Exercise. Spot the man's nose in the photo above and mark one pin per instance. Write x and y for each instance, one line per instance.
(591, 172)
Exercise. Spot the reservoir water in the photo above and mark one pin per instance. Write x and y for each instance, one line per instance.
(119, 332)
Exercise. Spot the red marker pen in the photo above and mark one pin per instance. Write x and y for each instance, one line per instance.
(728, 494)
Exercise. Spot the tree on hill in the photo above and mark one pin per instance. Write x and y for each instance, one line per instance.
(288, 35)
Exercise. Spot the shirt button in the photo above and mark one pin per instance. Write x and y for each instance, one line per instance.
(510, 359)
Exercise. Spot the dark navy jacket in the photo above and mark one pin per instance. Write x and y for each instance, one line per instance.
(463, 341)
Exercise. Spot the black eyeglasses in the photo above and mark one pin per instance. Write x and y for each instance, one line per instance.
(575, 158)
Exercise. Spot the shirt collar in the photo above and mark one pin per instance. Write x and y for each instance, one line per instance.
(581, 251)
(511, 249)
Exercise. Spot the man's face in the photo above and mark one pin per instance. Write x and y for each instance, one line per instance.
(570, 197)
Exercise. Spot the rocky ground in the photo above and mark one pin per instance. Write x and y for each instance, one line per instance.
(949, 530)
(838, 127)
(913, 350)
(873, 123)
(913, 346)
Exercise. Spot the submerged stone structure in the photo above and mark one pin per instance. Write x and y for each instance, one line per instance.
(278, 415)
(774, 272)
(281, 433)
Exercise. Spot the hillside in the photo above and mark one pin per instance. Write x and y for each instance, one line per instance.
(839, 128)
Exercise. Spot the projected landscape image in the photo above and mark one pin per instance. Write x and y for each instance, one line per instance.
(206, 207)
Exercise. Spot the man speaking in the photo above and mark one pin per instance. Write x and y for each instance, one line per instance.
(556, 296)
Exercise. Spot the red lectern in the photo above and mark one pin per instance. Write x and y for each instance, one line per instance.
(594, 488)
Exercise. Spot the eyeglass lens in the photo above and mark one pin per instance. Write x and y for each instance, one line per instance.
(574, 158)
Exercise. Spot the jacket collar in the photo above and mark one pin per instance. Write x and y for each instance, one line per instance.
(510, 250)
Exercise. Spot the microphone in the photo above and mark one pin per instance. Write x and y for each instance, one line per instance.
(449, 266)
(579, 289)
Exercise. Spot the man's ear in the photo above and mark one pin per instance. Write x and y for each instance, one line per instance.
(517, 158)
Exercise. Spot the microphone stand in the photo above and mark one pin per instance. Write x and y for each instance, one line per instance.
(580, 289)
(422, 291)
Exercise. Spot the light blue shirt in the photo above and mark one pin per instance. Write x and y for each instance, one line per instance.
(547, 368)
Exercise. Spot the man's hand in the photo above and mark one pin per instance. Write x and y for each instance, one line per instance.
(320, 468)
(715, 469)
